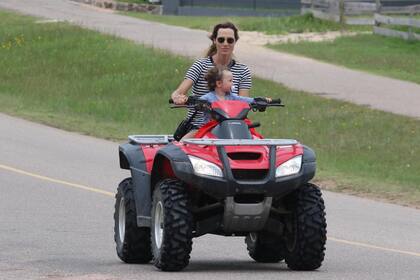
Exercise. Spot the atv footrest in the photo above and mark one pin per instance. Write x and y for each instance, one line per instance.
(150, 139)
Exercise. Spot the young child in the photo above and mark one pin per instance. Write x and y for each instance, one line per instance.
(220, 81)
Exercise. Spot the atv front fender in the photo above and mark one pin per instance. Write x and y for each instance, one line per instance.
(132, 157)
(309, 163)
(179, 164)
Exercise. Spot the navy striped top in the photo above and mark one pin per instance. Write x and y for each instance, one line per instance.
(197, 72)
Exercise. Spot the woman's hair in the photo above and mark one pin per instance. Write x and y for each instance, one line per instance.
(213, 75)
(212, 50)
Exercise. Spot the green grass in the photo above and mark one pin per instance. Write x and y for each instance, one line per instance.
(385, 56)
(82, 81)
(268, 25)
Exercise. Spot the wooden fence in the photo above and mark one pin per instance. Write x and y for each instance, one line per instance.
(354, 11)
(402, 16)
(341, 10)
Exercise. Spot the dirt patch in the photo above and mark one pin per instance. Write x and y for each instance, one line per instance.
(260, 39)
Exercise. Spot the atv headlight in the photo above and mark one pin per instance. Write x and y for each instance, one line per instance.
(203, 167)
(290, 167)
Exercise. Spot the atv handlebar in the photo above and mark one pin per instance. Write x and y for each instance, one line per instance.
(259, 104)
(192, 101)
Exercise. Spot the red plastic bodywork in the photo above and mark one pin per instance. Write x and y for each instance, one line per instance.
(231, 107)
(209, 153)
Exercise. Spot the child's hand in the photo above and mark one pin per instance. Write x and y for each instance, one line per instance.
(268, 99)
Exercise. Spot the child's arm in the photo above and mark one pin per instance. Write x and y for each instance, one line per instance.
(242, 98)
(206, 97)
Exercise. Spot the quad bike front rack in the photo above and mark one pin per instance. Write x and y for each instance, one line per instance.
(151, 139)
(241, 142)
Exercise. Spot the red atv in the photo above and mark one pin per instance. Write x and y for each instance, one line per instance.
(229, 181)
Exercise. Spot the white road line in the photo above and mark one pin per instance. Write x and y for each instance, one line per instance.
(373, 247)
(73, 185)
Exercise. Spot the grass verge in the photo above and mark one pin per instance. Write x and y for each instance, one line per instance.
(385, 56)
(268, 25)
(99, 85)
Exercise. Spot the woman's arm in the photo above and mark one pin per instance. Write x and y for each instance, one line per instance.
(245, 82)
(179, 96)
(244, 92)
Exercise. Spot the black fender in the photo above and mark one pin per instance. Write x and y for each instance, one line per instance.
(132, 158)
(308, 163)
(179, 161)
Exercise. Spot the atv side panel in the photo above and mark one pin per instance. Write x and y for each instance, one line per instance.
(132, 157)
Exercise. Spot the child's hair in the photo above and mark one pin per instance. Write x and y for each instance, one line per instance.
(213, 75)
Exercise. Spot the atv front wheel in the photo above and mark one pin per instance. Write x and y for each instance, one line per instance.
(306, 229)
(171, 226)
(133, 242)
(264, 247)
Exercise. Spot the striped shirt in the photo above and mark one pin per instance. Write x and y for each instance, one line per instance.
(197, 72)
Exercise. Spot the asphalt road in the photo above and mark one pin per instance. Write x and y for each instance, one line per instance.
(299, 73)
(56, 207)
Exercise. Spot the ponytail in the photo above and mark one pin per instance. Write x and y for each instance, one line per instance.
(212, 50)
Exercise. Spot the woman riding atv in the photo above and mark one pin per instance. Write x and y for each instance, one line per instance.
(220, 53)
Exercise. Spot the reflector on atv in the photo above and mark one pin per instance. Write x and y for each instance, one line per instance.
(226, 181)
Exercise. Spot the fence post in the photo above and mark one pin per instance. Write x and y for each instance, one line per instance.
(341, 11)
(410, 27)
(378, 6)
(378, 11)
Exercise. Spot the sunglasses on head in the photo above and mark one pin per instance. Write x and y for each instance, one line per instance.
(229, 40)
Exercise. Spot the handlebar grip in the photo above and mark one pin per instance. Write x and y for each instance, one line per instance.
(276, 101)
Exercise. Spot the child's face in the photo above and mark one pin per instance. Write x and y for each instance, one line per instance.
(226, 83)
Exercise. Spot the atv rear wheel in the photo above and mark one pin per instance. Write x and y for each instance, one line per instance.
(171, 226)
(265, 247)
(133, 242)
(306, 229)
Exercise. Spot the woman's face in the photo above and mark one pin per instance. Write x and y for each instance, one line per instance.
(225, 41)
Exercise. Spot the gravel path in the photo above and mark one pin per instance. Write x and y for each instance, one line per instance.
(299, 73)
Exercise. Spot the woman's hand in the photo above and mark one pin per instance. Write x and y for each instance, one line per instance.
(178, 98)
(268, 99)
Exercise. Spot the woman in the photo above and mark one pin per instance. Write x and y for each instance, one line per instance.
(220, 53)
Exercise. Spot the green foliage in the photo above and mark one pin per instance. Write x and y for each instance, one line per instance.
(386, 56)
(103, 86)
(268, 25)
